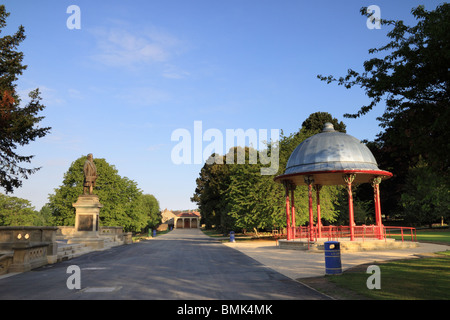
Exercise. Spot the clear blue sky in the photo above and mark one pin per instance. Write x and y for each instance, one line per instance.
(138, 70)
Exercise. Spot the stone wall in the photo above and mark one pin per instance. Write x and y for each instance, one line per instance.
(25, 248)
(65, 232)
(115, 234)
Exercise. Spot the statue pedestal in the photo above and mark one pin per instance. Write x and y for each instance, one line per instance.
(87, 210)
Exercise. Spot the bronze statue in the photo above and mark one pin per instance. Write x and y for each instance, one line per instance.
(90, 175)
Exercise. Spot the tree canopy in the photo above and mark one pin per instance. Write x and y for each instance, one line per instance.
(410, 74)
(19, 125)
(122, 200)
(15, 211)
(413, 80)
(236, 196)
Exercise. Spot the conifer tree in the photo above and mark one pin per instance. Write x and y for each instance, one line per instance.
(19, 125)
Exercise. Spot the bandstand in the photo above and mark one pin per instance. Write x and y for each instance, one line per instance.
(331, 158)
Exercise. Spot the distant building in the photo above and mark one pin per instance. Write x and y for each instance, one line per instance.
(180, 219)
(168, 218)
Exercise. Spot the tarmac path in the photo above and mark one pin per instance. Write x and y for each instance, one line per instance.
(180, 265)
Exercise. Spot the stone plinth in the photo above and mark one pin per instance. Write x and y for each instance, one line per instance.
(87, 210)
(127, 238)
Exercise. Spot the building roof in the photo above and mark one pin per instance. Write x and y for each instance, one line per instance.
(190, 214)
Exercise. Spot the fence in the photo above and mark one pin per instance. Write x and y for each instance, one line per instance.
(359, 232)
(394, 231)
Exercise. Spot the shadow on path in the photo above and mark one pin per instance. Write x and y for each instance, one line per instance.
(180, 265)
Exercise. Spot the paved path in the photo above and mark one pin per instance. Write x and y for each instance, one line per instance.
(183, 264)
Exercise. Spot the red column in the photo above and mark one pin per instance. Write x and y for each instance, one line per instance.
(376, 195)
(348, 178)
(288, 219)
(309, 181)
(319, 222)
(293, 210)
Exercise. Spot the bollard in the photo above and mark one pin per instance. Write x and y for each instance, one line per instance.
(231, 236)
(333, 257)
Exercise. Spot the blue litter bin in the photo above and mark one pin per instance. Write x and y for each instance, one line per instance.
(231, 236)
(333, 257)
(154, 233)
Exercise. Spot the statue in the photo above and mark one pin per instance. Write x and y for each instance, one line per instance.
(90, 175)
(87, 210)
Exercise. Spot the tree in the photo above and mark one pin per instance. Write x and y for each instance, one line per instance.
(413, 80)
(122, 200)
(252, 199)
(18, 125)
(236, 196)
(17, 212)
(149, 211)
(425, 198)
(45, 215)
(315, 122)
(212, 183)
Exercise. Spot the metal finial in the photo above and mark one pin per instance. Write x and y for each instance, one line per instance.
(328, 127)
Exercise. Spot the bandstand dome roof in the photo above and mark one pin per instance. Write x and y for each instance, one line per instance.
(328, 155)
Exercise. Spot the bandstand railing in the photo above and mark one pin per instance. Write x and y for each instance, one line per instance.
(389, 231)
(359, 232)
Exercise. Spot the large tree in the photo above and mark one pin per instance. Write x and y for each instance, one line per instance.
(252, 200)
(148, 210)
(19, 125)
(212, 184)
(413, 80)
(17, 212)
(411, 76)
(236, 196)
(426, 197)
(123, 202)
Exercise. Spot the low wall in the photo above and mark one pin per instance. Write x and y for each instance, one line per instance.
(25, 248)
(111, 231)
(116, 234)
(65, 232)
(347, 245)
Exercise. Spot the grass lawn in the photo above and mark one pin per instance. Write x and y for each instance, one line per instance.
(409, 279)
(144, 236)
(426, 235)
(250, 236)
(424, 278)
(212, 233)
